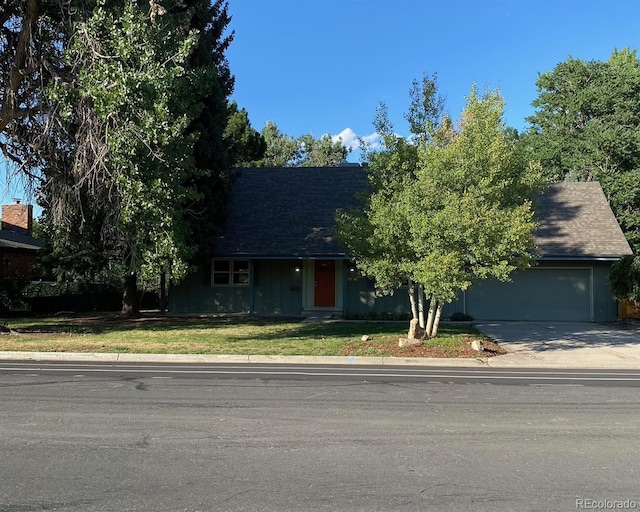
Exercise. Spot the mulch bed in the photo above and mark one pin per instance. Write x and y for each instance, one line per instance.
(391, 349)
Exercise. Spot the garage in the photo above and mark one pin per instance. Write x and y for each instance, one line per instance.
(564, 294)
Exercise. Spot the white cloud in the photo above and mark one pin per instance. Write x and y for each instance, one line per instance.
(348, 137)
(372, 140)
(352, 141)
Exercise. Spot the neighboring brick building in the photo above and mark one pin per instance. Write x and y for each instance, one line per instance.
(18, 248)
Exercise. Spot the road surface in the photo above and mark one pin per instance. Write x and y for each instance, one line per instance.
(101, 437)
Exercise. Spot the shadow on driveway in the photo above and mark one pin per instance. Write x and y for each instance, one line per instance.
(546, 336)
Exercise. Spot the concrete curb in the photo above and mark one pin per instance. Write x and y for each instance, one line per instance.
(236, 359)
(521, 359)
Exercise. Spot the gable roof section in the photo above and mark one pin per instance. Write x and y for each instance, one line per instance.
(575, 221)
(10, 239)
(288, 212)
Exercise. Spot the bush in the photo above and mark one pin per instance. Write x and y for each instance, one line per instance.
(625, 278)
(459, 316)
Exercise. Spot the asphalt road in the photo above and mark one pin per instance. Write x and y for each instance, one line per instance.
(83, 437)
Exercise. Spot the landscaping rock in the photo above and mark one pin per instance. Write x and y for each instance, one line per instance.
(477, 345)
(408, 342)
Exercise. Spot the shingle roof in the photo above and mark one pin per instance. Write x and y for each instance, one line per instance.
(289, 212)
(576, 221)
(10, 239)
(280, 212)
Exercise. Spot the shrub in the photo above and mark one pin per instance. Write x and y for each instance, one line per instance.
(459, 316)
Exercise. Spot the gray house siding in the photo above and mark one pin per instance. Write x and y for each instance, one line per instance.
(564, 291)
(195, 295)
(277, 287)
(362, 302)
(274, 288)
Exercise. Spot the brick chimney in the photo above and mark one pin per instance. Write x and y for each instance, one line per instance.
(17, 217)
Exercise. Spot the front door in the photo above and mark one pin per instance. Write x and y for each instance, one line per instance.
(325, 284)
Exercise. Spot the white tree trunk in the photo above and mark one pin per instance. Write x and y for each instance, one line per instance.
(412, 299)
(421, 306)
(436, 321)
(432, 311)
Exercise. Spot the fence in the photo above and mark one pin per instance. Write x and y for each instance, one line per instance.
(46, 297)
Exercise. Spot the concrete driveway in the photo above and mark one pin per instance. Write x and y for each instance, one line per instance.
(564, 344)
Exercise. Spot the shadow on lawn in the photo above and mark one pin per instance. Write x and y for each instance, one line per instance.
(248, 327)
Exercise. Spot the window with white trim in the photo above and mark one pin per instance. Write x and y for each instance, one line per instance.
(230, 273)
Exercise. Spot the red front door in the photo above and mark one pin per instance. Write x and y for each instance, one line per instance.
(325, 284)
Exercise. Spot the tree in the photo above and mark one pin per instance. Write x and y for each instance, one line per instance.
(448, 208)
(625, 278)
(305, 151)
(125, 159)
(225, 137)
(30, 57)
(244, 144)
(320, 152)
(119, 112)
(587, 127)
(377, 236)
(129, 106)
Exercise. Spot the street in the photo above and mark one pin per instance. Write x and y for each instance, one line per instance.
(111, 437)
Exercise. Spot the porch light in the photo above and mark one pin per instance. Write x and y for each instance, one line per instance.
(297, 268)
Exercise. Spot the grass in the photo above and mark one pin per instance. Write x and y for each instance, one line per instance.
(228, 335)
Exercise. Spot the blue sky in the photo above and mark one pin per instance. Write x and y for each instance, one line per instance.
(323, 66)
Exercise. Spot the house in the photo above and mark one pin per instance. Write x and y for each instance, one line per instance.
(278, 255)
(18, 248)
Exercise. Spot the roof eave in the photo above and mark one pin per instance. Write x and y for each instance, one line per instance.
(579, 258)
(294, 256)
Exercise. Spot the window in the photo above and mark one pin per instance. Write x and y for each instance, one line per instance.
(240, 272)
(230, 272)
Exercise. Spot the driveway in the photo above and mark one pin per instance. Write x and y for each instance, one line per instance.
(564, 344)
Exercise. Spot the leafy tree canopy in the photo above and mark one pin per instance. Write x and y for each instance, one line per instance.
(450, 206)
(305, 151)
(120, 111)
(625, 278)
(587, 127)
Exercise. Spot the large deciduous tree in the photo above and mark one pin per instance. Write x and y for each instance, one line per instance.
(587, 127)
(30, 57)
(126, 129)
(132, 99)
(448, 207)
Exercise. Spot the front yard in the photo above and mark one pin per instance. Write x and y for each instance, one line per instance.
(231, 336)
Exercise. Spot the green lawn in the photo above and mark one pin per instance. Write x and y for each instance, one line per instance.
(230, 335)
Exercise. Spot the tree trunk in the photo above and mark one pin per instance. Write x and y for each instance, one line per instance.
(432, 309)
(421, 306)
(412, 299)
(436, 321)
(12, 108)
(163, 293)
(130, 305)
